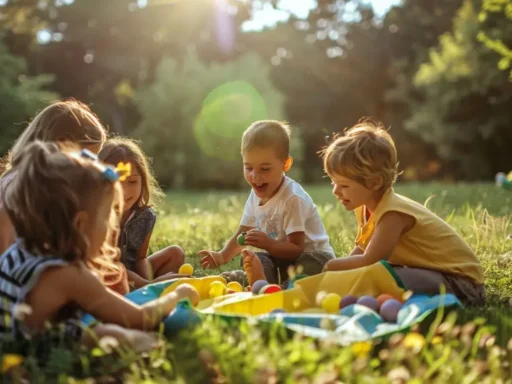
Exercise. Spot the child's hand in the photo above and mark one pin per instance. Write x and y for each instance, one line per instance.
(140, 341)
(258, 239)
(211, 259)
(186, 291)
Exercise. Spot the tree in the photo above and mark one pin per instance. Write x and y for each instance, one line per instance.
(465, 106)
(101, 51)
(495, 17)
(21, 96)
(194, 114)
(343, 63)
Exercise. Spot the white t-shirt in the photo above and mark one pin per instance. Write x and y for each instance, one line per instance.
(290, 210)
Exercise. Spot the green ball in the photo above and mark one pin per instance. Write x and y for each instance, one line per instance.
(241, 238)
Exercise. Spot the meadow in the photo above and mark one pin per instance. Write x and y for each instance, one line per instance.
(469, 346)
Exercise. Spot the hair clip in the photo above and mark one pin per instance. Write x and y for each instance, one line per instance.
(110, 174)
(124, 170)
(89, 155)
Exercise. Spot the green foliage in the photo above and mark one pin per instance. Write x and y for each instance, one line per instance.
(499, 13)
(21, 96)
(464, 105)
(194, 114)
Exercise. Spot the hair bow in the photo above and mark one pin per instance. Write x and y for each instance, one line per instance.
(121, 172)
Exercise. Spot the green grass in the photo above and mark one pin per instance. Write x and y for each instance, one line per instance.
(241, 352)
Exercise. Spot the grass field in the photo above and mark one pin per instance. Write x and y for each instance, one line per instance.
(243, 353)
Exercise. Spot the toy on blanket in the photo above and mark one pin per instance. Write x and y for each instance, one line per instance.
(241, 238)
(504, 181)
(186, 269)
(217, 289)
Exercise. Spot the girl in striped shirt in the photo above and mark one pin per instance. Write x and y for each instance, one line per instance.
(64, 204)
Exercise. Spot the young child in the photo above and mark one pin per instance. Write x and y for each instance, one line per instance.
(71, 121)
(63, 206)
(68, 120)
(141, 192)
(280, 218)
(422, 248)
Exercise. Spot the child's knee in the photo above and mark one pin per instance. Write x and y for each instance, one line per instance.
(175, 252)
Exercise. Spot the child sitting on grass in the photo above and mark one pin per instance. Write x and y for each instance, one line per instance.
(68, 120)
(141, 193)
(64, 205)
(424, 250)
(280, 218)
(71, 121)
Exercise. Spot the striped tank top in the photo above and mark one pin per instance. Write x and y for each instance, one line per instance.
(20, 271)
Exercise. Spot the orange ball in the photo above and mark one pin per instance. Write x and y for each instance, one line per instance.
(382, 298)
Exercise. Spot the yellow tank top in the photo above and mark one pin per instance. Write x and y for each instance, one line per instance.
(430, 244)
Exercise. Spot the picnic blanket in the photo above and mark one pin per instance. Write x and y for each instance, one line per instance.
(353, 323)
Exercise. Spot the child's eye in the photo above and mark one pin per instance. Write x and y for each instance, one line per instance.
(266, 169)
(248, 169)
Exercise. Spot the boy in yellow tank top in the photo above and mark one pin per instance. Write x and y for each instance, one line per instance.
(423, 249)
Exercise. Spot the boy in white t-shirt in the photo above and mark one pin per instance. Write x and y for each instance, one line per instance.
(280, 218)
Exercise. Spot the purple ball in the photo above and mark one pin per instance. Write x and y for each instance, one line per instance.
(369, 301)
(258, 284)
(347, 300)
(389, 310)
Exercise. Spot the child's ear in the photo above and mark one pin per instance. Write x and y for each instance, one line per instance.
(80, 221)
(288, 163)
(377, 183)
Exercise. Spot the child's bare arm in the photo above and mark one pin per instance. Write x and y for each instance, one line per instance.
(110, 307)
(212, 259)
(356, 251)
(7, 235)
(142, 267)
(387, 233)
(289, 249)
(136, 280)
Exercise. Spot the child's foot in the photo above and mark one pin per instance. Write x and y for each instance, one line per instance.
(252, 266)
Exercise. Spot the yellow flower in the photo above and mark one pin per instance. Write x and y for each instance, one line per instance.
(9, 361)
(414, 341)
(124, 170)
(437, 340)
(361, 349)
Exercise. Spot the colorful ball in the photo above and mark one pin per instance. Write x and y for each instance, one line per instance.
(369, 301)
(382, 298)
(235, 286)
(186, 269)
(216, 289)
(347, 300)
(257, 285)
(270, 288)
(331, 303)
(389, 310)
(241, 238)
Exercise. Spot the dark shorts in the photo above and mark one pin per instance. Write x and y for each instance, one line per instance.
(308, 263)
(429, 282)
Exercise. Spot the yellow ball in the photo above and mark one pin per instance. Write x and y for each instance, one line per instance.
(235, 286)
(216, 291)
(186, 269)
(331, 303)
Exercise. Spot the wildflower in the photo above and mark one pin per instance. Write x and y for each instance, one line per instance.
(108, 344)
(9, 361)
(361, 349)
(414, 341)
(20, 311)
(399, 375)
(437, 340)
